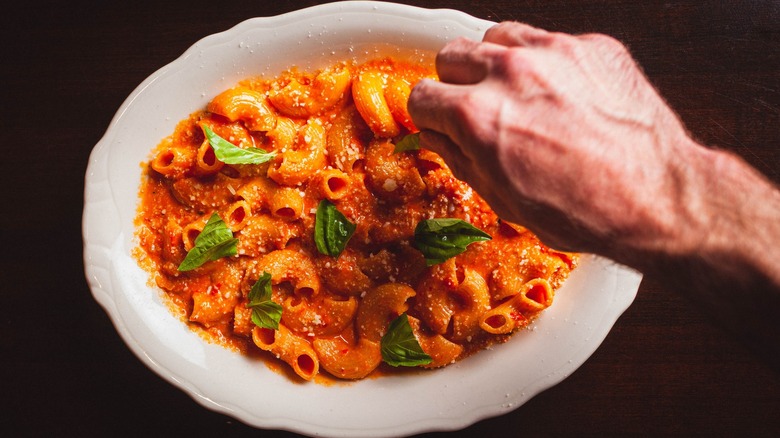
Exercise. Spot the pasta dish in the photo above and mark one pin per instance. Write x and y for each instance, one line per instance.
(297, 218)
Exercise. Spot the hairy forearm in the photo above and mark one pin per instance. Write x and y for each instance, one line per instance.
(724, 253)
(566, 136)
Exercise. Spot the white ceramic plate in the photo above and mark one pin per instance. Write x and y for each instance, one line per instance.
(488, 384)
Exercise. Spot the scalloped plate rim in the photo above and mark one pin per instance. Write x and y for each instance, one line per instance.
(102, 268)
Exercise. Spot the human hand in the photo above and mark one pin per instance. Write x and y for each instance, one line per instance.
(564, 135)
(560, 133)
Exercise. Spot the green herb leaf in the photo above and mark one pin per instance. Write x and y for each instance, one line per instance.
(265, 312)
(331, 229)
(228, 153)
(410, 142)
(443, 238)
(214, 242)
(399, 347)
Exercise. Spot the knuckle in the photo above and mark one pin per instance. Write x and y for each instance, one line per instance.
(500, 29)
(514, 65)
(458, 45)
(492, 31)
(565, 43)
(476, 116)
(462, 109)
(603, 41)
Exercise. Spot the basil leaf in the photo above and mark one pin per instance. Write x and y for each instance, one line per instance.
(410, 142)
(215, 241)
(229, 153)
(265, 312)
(443, 238)
(331, 229)
(399, 347)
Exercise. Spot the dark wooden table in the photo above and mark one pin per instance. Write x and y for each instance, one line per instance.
(66, 69)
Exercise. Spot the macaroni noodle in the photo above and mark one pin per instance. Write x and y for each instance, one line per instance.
(330, 137)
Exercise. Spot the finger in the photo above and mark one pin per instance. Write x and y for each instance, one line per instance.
(459, 62)
(431, 105)
(511, 34)
(464, 167)
(452, 154)
(481, 177)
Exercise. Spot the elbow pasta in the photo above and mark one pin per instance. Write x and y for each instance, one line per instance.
(535, 296)
(242, 103)
(172, 161)
(345, 360)
(295, 166)
(333, 133)
(396, 95)
(472, 300)
(369, 95)
(346, 140)
(287, 203)
(236, 215)
(304, 96)
(290, 348)
(333, 184)
(206, 162)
